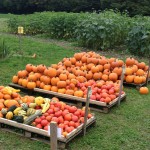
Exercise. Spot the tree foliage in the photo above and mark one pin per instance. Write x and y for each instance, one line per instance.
(134, 7)
(28, 6)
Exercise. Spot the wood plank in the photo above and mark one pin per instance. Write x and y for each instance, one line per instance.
(43, 132)
(28, 128)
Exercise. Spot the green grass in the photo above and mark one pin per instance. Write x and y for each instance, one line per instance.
(124, 128)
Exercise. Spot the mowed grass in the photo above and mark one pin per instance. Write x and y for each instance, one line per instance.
(125, 128)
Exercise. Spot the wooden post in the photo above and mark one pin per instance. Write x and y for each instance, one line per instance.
(121, 84)
(89, 92)
(53, 135)
(147, 78)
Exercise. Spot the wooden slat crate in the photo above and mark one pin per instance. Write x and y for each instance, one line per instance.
(40, 134)
(69, 99)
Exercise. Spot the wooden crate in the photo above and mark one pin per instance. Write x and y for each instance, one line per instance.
(69, 99)
(137, 86)
(40, 134)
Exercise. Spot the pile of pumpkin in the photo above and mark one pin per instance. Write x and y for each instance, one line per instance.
(15, 107)
(39, 111)
(82, 67)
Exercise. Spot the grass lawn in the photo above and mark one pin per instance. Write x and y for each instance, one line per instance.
(124, 128)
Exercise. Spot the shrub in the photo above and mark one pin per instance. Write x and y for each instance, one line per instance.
(138, 41)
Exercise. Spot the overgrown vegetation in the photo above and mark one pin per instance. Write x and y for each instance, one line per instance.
(106, 30)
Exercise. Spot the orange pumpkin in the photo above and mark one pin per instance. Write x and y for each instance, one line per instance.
(41, 68)
(129, 78)
(29, 67)
(15, 79)
(31, 85)
(63, 77)
(138, 79)
(54, 81)
(144, 90)
(130, 61)
(54, 89)
(61, 84)
(105, 77)
(52, 72)
(113, 77)
(97, 76)
(69, 92)
(140, 72)
(128, 71)
(78, 93)
(141, 65)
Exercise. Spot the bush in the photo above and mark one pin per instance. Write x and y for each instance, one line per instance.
(138, 41)
(104, 30)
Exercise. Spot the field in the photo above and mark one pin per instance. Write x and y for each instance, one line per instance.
(125, 127)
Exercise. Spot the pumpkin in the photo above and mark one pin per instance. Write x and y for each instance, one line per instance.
(15, 79)
(41, 68)
(130, 61)
(20, 81)
(62, 91)
(1, 106)
(9, 115)
(47, 87)
(129, 78)
(31, 111)
(29, 67)
(105, 77)
(138, 79)
(31, 85)
(140, 72)
(97, 76)
(103, 61)
(128, 71)
(54, 88)
(34, 68)
(69, 92)
(52, 72)
(9, 103)
(95, 69)
(78, 93)
(24, 82)
(61, 84)
(113, 77)
(32, 77)
(144, 90)
(78, 56)
(117, 70)
(4, 111)
(67, 63)
(141, 65)
(107, 66)
(73, 60)
(39, 100)
(63, 77)
(24, 106)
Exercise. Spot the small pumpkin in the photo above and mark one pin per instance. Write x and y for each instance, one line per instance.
(39, 100)
(4, 111)
(24, 106)
(9, 115)
(144, 90)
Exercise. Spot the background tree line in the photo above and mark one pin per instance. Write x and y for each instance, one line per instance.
(134, 7)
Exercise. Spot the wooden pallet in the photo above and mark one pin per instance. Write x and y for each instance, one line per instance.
(69, 99)
(135, 85)
(39, 134)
